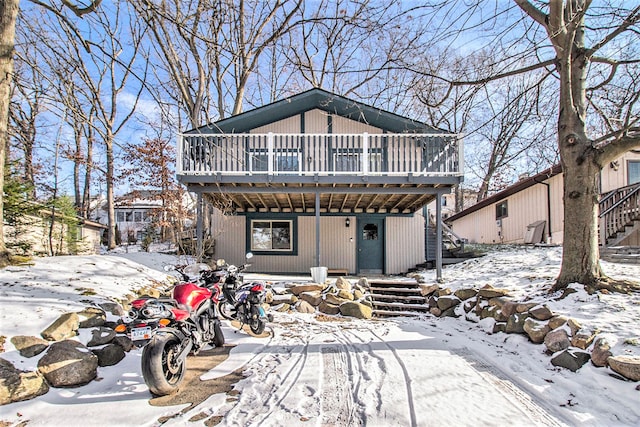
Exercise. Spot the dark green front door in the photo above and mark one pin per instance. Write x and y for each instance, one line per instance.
(370, 245)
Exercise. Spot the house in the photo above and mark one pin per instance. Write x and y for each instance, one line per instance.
(318, 179)
(532, 211)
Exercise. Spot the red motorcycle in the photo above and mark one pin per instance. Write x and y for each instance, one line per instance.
(169, 329)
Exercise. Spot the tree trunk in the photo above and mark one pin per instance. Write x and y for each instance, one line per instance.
(8, 15)
(111, 213)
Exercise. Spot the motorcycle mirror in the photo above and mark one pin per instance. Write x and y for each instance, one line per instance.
(249, 255)
(169, 268)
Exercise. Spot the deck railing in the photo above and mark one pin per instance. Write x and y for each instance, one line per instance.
(320, 154)
(618, 209)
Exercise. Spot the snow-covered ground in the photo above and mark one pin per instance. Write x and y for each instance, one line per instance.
(327, 371)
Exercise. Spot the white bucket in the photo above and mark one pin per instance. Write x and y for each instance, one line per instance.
(319, 274)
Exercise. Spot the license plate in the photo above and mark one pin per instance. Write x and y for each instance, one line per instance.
(141, 333)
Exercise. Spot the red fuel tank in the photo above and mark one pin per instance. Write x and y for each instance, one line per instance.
(191, 294)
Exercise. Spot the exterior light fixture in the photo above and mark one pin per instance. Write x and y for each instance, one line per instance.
(347, 222)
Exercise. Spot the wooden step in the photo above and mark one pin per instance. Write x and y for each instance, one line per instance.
(395, 313)
(401, 306)
(399, 297)
(395, 290)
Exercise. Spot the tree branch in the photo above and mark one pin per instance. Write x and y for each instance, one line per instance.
(632, 19)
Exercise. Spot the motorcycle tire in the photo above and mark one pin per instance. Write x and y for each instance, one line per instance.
(161, 372)
(226, 310)
(218, 338)
(256, 325)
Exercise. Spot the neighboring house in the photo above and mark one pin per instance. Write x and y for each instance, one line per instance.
(317, 179)
(135, 211)
(33, 238)
(532, 211)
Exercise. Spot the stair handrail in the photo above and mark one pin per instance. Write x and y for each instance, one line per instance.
(450, 232)
(622, 200)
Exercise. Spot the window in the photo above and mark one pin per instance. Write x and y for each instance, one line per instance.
(288, 161)
(120, 216)
(501, 210)
(273, 236)
(370, 232)
(285, 161)
(137, 217)
(346, 160)
(633, 172)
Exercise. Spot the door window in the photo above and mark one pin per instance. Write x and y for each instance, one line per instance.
(370, 232)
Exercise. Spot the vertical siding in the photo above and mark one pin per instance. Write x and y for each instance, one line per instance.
(344, 125)
(404, 243)
(524, 208)
(315, 121)
(612, 178)
(337, 250)
(288, 125)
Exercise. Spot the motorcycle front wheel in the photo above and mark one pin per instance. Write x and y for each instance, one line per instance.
(162, 370)
(226, 310)
(218, 337)
(257, 324)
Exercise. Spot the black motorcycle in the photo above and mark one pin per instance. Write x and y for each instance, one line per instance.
(243, 302)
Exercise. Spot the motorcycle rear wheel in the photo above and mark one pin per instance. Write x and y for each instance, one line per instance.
(257, 325)
(218, 338)
(161, 371)
(226, 310)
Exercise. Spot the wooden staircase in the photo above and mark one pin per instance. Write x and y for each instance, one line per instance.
(619, 215)
(397, 298)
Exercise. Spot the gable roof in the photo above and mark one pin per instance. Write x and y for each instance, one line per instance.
(509, 191)
(315, 99)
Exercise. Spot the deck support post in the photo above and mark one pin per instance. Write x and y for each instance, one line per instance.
(439, 237)
(199, 233)
(317, 210)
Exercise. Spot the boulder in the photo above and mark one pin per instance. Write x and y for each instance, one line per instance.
(342, 283)
(290, 299)
(426, 290)
(328, 308)
(601, 352)
(447, 302)
(515, 323)
(444, 292)
(357, 310)
(17, 385)
(345, 294)
(312, 297)
(109, 355)
(627, 366)
(465, 294)
(432, 301)
(101, 336)
(309, 287)
(268, 296)
(334, 299)
(498, 302)
(281, 308)
(524, 307)
(358, 294)
(488, 291)
(304, 307)
(66, 326)
(450, 312)
(536, 330)
(557, 321)
(574, 325)
(92, 317)
(583, 339)
(493, 312)
(469, 305)
(68, 363)
(435, 311)
(541, 312)
(509, 308)
(499, 327)
(29, 346)
(124, 342)
(363, 283)
(113, 308)
(557, 340)
(572, 360)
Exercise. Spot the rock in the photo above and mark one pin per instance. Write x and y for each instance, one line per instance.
(493, 312)
(557, 340)
(68, 364)
(582, 339)
(312, 297)
(358, 294)
(557, 321)
(149, 292)
(465, 294)
(363, 283)
(290, 299)
(92, 317)
(498, 302)
(447, 302)
(417, 277)
(66, 326)
(541, 312)
(281, 308)
(304, 307)
(109, 355)
(101, 336)
(525, 307)
(536, 330)
(509, 308)
(432, 301)
(572, 360)
(444, 292)
(601, 352)
(268, 296)
(345, 294)
(426, 290)
(627, 366)
(515, 323)
(113, 308)
(435, 311)
(469, 305)
(17, 385)
(499, 327)
(342, 283)
(310, 287)
(450, 312)
(124, 342)
(574, 325)
(334, 299)
(29, 346)
(328, 308)
(489, 291)
(355, 309)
